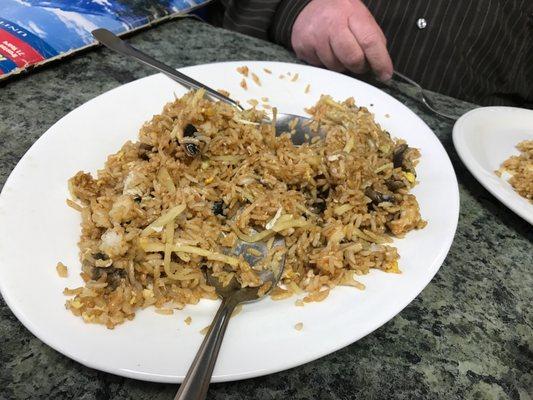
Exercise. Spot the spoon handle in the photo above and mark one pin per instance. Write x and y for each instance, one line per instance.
(196, 382)
(113, 42)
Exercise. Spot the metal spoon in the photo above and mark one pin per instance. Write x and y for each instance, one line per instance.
(196, 382)
(283, 120)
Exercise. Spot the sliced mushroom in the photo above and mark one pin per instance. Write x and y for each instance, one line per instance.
(398, 155)
(322, 195)
(319, 206)
(190, 144)
(400, 159)
(393, 185)
(114, 275)
(192, 149)
(144, 151)
(100, 256)
(377, 197)
(189, 130)
(218, 207)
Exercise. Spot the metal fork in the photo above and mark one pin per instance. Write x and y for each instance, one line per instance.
(423, 98)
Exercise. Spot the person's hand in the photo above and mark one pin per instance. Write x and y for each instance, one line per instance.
(341, 35)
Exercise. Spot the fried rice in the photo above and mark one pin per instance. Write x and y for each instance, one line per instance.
(521, 169)
(203, 175)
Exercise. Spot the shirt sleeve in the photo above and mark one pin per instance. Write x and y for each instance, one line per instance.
(264, 19)
(283, 21)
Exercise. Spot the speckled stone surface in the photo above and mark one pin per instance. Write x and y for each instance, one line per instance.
(467, 335)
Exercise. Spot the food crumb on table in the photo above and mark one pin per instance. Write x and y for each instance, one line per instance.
(267, 70)
(299, 326)
(188, 320)
(243, 84)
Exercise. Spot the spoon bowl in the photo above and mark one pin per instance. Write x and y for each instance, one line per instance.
(196, 382)
(233, 291)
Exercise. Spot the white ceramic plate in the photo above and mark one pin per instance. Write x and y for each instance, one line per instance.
(486, 137)
(37, 230)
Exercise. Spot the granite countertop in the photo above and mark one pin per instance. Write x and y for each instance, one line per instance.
(467, 335)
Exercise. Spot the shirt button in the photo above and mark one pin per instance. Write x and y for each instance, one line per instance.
(421, 23)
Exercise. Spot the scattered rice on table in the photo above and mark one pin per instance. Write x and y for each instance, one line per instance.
(521, 169)
(203, 173)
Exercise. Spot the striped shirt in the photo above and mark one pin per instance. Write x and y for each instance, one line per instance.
(477, 50)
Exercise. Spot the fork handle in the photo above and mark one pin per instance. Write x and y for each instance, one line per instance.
(113, 42)
(196, 382)
(422, 96)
